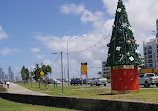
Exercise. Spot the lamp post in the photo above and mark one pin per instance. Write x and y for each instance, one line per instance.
(68, 57)
(31, 76)
(61, 70)
(68, 63)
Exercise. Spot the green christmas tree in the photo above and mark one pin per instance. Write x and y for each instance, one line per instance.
(122, 46)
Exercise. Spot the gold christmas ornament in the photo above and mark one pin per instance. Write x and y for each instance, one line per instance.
(137, 45)
(113, 38)
(128, 54)
(109, 55)
(128, 42)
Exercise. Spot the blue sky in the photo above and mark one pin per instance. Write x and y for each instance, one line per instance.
(21, 19)
(30, 30)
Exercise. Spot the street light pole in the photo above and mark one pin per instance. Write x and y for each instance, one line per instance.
(62, 70)
(68, 57)
(68, 63)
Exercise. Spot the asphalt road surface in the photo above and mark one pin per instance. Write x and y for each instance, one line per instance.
(108, 85)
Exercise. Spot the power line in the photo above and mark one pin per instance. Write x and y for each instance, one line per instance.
(55, 60)
(89, 47)
(94, 67)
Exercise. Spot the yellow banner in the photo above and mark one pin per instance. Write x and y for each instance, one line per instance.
(83, 68)
(155, 70)
(146, 71)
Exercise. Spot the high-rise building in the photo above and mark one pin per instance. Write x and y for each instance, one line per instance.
(142, 59)
(6, 77)
(0, 73)
(151, 51)
(105, 70)
(157, 28)
(11, 75)
(3, 76)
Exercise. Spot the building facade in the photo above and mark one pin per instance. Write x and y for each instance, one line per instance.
(1, 74)
(151, 54)
(11, 75)
(151, 51)
(157, 28)
(105, 70)
(142, 66)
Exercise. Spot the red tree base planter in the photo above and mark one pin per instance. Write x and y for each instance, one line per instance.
(124, 79)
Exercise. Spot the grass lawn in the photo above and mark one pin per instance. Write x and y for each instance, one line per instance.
(12, 106)
(144, 95)
(2, 89)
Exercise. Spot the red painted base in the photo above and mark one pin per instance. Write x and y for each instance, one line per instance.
(124, 80)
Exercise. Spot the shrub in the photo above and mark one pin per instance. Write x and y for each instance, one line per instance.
(2, 89)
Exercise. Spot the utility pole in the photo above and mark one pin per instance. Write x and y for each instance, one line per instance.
(68, 75)
(62, 70)
(68, 63)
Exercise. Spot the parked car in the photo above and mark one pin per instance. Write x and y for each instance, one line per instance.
(50, 81)
(1, 84)
(98, 81)
(58, 82)
(88, 81)
(66, 80)
(148, 79)
(76, 81)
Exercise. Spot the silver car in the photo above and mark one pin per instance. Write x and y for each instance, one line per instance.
(1, 84)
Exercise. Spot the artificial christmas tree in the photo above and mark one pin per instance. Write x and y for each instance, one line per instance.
(123, 56)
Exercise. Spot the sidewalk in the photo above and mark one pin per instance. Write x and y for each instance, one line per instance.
(14, 88)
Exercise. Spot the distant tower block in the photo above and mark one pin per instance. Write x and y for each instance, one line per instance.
(157, 28)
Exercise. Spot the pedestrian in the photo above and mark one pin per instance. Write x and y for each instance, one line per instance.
(55, 83)
(7, 84)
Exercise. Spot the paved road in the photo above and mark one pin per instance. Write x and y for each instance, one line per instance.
(14, 88)
(108, 85)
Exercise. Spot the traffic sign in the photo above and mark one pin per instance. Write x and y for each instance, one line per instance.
(84, 69)
(41, 74)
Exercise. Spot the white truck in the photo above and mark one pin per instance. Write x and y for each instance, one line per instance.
(98, 81)
(148, 79)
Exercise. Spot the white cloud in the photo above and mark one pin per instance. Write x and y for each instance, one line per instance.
(40, 56)
(52, 41)
(94, 56)
(72, 8)
(97, 39)
(3, 35)
(47, 62)
(31, 68)
(110, 6)
(35, 49)
(142, 16)
(88, 16)
(7, 50)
